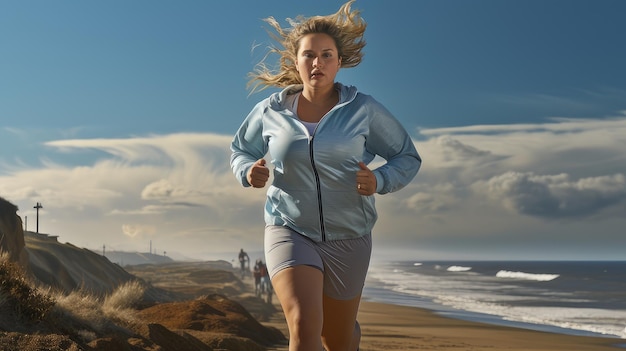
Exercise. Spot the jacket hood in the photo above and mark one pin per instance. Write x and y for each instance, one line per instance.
(347, 93)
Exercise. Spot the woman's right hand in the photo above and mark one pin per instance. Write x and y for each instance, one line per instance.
(258, 174)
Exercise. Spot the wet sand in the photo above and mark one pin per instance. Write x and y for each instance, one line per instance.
(388, 327)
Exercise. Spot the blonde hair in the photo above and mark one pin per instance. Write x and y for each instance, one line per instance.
(346, 27)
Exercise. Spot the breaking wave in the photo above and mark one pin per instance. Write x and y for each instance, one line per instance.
(526, 276)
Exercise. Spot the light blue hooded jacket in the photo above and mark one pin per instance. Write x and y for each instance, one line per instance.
(314, 177)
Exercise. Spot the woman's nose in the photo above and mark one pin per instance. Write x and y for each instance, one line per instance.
(317, 62)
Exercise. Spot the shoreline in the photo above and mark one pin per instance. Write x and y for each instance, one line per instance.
(452, 313)
(389, 327)
(568, 316)
(393, 327)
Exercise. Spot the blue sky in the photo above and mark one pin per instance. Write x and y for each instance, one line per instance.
(117, 116)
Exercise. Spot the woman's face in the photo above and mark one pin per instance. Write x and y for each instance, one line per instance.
(317, 60)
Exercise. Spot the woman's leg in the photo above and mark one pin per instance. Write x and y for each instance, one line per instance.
(299, 290)
(341, 331)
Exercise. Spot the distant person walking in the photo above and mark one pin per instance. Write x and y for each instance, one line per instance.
(319, 212)
(262, 283)
(256, 272)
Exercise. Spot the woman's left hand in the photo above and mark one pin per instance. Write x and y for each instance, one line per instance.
(365, 180)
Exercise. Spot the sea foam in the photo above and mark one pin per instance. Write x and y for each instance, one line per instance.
(458, 269)
(526, 276)
(519, 294)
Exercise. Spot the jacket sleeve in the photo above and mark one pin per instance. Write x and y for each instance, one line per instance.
(388, 139)
(248, 144)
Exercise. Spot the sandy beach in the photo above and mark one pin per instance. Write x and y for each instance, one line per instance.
(388, 327)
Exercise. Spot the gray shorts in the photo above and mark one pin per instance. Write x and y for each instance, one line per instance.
(344, 263)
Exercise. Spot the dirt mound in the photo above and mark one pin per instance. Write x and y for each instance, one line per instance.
(214, 313)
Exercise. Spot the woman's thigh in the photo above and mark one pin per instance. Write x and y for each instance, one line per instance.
(299, 290)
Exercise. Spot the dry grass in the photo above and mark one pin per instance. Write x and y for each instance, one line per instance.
(113, 312)
(79, 312)
(17, 294)
(82, 319)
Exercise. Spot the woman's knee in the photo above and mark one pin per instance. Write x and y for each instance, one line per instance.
(304, 328)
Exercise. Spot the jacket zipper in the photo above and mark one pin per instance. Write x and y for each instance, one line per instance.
(319, 189)
(316, 174)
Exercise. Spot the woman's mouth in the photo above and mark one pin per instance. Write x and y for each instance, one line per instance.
(316, 74)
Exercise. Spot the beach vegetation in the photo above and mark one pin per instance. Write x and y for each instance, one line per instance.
(112, 312)
(17, 296)
(79, 312)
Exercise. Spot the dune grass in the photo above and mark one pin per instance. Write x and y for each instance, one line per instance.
(17, 294)
(78, 312)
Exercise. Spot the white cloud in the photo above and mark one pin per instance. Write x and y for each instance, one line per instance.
(557, 125)
(581, 148)
(162, 188)
(483, 186)
(477, 183)
(173, 183)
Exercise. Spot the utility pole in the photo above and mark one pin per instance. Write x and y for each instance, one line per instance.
(38, 207)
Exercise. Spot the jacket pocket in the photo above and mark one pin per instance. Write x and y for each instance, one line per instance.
(347, 214)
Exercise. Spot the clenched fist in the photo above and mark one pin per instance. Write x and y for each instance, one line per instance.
(365, 180)
(258, 174)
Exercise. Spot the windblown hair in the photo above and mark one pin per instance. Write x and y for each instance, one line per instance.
(346, 27)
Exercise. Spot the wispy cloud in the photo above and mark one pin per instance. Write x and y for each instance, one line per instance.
(555, 126)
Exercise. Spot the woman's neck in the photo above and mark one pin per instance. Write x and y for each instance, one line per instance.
(314, 104)
(320, 96)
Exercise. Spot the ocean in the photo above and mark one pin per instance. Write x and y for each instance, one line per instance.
(573, 297)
